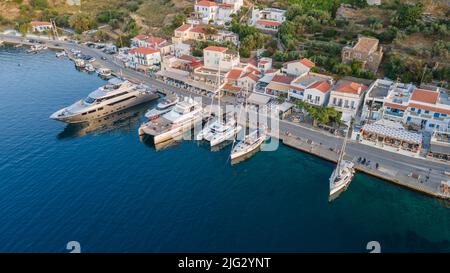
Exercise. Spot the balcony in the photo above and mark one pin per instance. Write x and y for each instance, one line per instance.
(395, 114)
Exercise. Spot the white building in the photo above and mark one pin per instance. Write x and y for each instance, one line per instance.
(218, 12)
(264, 64)
(267, 19)
(217, 56)
(423, 109)
(40, 26)
(142, 40)
(188, 32)
(346, 97)
(298, 67)
(313, 88)
(144, 57)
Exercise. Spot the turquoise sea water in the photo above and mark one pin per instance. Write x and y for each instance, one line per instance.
(112, 193)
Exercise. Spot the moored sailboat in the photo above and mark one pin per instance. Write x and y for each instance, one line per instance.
(343, 173)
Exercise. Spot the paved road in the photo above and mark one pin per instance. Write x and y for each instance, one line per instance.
(390, 160)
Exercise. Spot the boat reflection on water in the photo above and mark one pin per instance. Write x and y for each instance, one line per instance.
(148, 141)
(127, 120)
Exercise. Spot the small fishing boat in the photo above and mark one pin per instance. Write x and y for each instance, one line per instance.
(36, 48)
(89, 68)
(79, 63)
(105, 73)
(60, 54)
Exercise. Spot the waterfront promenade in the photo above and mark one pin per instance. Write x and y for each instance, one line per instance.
(392, 166)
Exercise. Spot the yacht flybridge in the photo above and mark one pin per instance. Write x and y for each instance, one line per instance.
(342, 175)
(183, 117)
(116, 95)
(162, 107)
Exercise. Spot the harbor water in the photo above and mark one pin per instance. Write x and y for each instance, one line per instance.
(103, 187)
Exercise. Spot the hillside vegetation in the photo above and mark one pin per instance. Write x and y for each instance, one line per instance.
(415, 34)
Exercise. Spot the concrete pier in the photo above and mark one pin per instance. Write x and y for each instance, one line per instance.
(396, 176)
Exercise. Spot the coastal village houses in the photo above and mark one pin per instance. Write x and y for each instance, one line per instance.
(268, 19)
(41, 26)
(426, 109)
(298, 67)
(218, 12)
(144, 58)
(162, 45)
(366, 50)
(190, 32)
(312, 88)
(346, 97)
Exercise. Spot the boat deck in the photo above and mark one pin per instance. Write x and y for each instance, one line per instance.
(157, 126)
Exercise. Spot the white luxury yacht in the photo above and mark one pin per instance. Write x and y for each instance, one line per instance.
(183, 116)
(115, 96)
(162, 107)
(342, 175)
(250, 143)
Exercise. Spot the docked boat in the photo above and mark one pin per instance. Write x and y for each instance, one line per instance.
(37, 48)
(79, 63)
(60, 54)
(104, 73)
(250, 143)
(89, 68)
(342, 175)
(183, 117)
(162, 107)
(218, 131)
(228, 133)
(116, 95)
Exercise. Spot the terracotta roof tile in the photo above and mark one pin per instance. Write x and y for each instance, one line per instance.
(426, 96)
(323, 86)
(216, 48)
(351, 88)
(205, 3)
(143, 50)
(282, 79)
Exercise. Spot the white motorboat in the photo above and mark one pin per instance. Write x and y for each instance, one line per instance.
(183, 117)
(60, 54)
(104, 72)
(89, 68)
(250, 143)
(79, 63)
(162, 107)
(37, 48)
(115, 96)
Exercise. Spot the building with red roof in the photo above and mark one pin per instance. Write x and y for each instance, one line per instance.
(422, 108)
(38, 26)
(144, 57)
(298, 67)
(268, 19)
(346, 97)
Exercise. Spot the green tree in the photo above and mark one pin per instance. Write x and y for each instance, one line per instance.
(408, 14)
(81, 22)
(39, 4)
